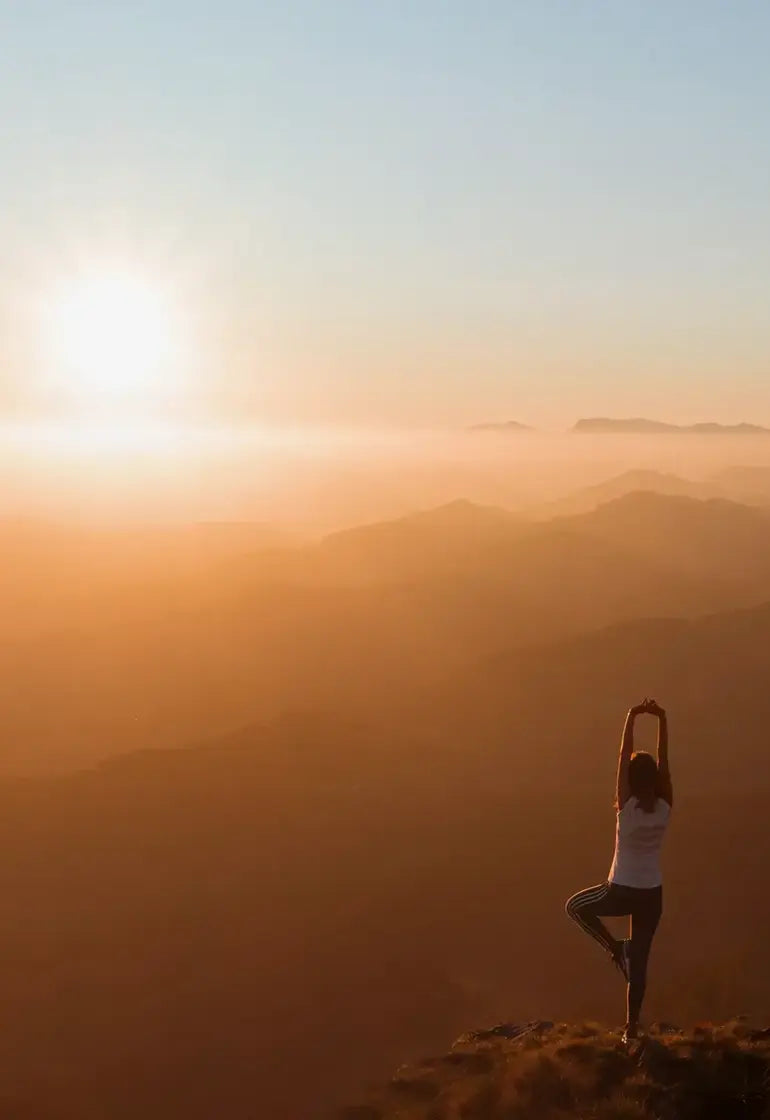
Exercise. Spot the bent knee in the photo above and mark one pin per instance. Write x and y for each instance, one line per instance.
(583, 902)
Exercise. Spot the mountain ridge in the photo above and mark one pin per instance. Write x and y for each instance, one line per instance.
(510, 426)
(628, 425)
(642, 426)
(547, 1071)
(588, 498)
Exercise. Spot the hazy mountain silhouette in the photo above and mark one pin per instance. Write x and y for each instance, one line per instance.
(330, 893)
(589, 497)
(161, 650)
(510, 426)
(463, 539)
(426, 543)
(505, 700)
(744, 484)
(714, 538)
(640, 425)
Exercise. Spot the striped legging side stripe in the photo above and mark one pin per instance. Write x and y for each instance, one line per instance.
(588, 898)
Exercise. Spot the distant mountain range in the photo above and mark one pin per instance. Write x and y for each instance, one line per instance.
(165, 647)
(405, 730)
(511, 426)
(635, 425)
(590, 497)
(601, 424)
(744, 485)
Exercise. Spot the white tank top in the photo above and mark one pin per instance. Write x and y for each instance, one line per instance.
(638, 841)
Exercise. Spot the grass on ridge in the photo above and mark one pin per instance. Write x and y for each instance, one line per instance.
(560, 1072)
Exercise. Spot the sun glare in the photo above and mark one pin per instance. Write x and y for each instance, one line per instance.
(111, 338)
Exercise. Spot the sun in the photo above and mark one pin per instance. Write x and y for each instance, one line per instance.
(111, 338)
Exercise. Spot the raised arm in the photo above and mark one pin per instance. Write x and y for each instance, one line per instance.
(666, 786)
(626, 750)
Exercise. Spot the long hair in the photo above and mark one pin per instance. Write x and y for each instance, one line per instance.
(644, 780)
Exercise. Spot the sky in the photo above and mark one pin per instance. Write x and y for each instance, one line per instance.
(402, 212)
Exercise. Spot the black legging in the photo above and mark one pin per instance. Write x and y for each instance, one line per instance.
(610, 900)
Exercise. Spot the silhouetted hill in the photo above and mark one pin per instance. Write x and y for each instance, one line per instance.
(743, 429)
(714, 537)
(544, 1071)
(424, 544)
(511, 427)
(399, 754)
(589, 497)
(174, 649)
(640, 425)
(555, 703)
(744, 484)
(184, 929)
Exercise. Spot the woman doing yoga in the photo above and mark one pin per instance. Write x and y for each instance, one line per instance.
(634, 885)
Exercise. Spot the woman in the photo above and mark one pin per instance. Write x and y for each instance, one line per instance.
(634, 885)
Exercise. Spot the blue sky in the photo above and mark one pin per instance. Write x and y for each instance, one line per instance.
(406, 212)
